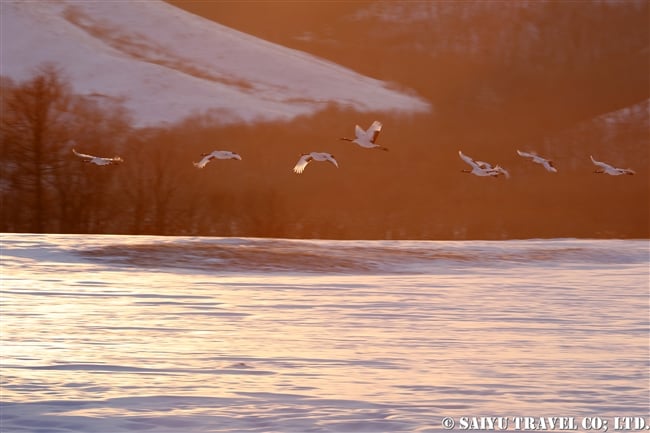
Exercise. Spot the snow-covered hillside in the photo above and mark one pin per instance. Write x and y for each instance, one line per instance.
(619, 135)
(167, 63)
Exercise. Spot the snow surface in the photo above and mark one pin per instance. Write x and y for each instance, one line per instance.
(100, 333)
(168, 63)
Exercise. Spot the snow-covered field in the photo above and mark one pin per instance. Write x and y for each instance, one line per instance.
(171, 334)
(167, 63)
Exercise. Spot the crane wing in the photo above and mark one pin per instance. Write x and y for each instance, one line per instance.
(467, 159)
(302, 163)
(331, 159)
(83, 155)
(601, 164)
(548, 165)
(526, 154)
(204, 161)
(374, 130)
(359, 132)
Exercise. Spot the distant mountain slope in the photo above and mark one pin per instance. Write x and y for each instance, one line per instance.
(515, 68)
(620, 136)
(166, 63)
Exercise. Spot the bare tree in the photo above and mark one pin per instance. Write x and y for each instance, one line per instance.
(31, 134)
(42, 186)
(152, 183)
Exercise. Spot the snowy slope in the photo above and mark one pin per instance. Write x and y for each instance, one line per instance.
(619, 136)
(168, 63)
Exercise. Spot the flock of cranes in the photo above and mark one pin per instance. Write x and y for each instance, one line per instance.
(480, 168)
(367, 139)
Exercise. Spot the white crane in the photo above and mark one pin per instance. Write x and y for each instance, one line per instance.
(218, 154)
(608, 169)
(367, 139)
(306, 158)
(547, 163)
(481, 168)
(98, 160)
